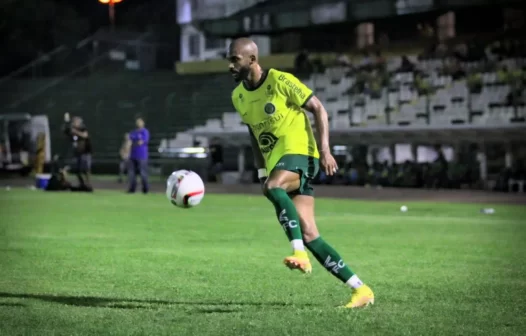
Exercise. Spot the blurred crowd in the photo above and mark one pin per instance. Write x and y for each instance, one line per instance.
(464, 60)
(439, 174)
(468, 61)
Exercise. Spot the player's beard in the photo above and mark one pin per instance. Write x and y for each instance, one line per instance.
(242, 74)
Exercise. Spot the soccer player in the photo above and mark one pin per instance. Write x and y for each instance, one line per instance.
(271, 103)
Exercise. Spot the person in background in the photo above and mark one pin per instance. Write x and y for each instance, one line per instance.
(216, 158)
(302, 63)
(138, 161)
(1, 155)
(406, 65)
(40, 155)
(125, 155)
(380, 61)
(59, 177)
(78, 134)
(343, 60)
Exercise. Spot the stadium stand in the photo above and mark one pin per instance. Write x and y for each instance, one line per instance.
(376, 97)
(436, 91)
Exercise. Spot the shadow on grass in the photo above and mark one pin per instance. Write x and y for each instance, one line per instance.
(121, 303)
(11, 304)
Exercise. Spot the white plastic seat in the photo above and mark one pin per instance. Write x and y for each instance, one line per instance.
(231, 121)
(213, 124)
(341, 121)
(357, 115)
(320, 82)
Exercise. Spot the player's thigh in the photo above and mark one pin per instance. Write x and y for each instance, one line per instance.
(285, 179)
(297, 170)
(305, 207)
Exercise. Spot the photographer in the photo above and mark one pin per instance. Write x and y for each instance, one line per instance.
(81, 145)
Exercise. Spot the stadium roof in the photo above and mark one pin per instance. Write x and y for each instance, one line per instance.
(233, 25)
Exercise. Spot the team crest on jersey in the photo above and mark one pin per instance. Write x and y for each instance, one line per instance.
(241, 99)
(269, 92)
(267, 142)
(270, 108)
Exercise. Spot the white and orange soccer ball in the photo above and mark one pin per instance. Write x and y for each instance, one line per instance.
(185, 189)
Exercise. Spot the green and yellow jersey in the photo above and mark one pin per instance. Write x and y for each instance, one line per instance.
(274, 112)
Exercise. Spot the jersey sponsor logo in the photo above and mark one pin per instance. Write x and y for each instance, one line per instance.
(269, 92)
(295, 89)
(270, 108)
(266, 123)
(267, 142)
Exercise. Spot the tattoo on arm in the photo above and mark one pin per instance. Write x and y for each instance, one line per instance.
(259, 161)
(321, 120)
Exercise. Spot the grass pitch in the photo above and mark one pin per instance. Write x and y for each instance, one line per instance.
(109, 263)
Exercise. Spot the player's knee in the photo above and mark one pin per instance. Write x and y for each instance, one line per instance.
(273, 184)
(270, 188)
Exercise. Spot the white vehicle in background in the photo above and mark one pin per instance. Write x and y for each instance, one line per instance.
(18, 141)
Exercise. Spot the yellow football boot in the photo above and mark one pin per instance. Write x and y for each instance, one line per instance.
(361, 297)
(300, 260)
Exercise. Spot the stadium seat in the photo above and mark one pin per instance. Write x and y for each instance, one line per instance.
(213, 125)
(518, 183)
(341, 121)
(232, 121)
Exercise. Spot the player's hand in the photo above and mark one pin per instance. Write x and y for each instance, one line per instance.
(262, 183)
(328, 163)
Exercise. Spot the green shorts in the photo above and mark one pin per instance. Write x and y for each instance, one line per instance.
(306, 166)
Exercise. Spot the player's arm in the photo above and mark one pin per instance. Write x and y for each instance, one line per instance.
(299, 94)
(302, 96)
(259, 161)
(321, 120)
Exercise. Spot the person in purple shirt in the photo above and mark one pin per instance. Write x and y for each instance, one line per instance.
(138, 160)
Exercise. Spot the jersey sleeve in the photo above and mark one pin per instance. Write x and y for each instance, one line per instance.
(293, 89)
(234, 101)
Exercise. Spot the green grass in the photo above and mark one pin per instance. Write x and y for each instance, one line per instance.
(108, 263)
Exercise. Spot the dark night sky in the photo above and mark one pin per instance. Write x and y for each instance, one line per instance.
(24, 40)
(97, 13)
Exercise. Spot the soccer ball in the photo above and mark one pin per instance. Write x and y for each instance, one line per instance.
(185, 189)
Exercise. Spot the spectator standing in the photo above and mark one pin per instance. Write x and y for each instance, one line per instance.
(406, 65)
(1, 155)
(138, 160)
(78, 134)
(366, 61)
(125, 155)
(40, 155)
(302, 63)
(343, 60)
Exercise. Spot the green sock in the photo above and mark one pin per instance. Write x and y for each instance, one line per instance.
(287, 216)
(278, 211)
(330, 259)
